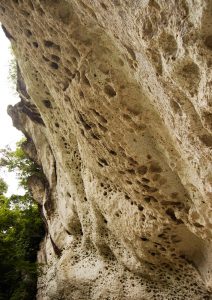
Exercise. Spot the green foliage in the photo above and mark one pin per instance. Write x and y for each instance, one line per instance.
(3, 187)
(21, 230)
(17, 161)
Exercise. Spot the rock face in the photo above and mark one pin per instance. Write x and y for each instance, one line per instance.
(117, 109)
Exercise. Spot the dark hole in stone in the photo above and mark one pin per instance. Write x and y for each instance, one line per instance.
(146, 187)
(144, 239)
(145, 180)
(147, 199)
(68, 232)
(102, 119)
(48, 44)
(207, 140)
(35, 44)
(208, 42)
(55, 57)
(2, 8)
(28, 33)
(155, 168)
(45, 58)
(81, 94)
(121, 172)
(126, 117)
(198, 225)
(57, 125)
(54, 65)
(109, 90)
(95, 136)
(103, 161)
(140, 207)
(171, 214)
(142, 170)
(84, 123)
(152, 189)
(47, 103)
(112, 152)
(131, 160)
(131, 171)
(103, 128)
(103, 6)
(67, 98)
(25, 13)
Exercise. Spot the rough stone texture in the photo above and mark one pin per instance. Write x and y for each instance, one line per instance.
(117, 109)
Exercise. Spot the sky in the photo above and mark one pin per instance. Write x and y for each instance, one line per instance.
(8, 134)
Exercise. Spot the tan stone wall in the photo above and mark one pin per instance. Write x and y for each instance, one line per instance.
(124, 91)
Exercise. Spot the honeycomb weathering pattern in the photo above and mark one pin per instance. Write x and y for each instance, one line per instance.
(117, 107)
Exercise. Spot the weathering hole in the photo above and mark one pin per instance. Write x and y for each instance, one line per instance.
(109, 90)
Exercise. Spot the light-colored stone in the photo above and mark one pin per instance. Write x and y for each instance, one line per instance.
(123, 89)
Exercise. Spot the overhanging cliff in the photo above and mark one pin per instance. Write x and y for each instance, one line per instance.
(117, 109)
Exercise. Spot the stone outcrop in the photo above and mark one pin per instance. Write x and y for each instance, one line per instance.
(117, 109)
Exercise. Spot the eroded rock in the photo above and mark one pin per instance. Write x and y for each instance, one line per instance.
(119, 112)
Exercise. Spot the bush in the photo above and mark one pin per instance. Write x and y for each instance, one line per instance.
(21, 231)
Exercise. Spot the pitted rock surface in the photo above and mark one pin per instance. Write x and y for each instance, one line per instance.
(116, 104)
